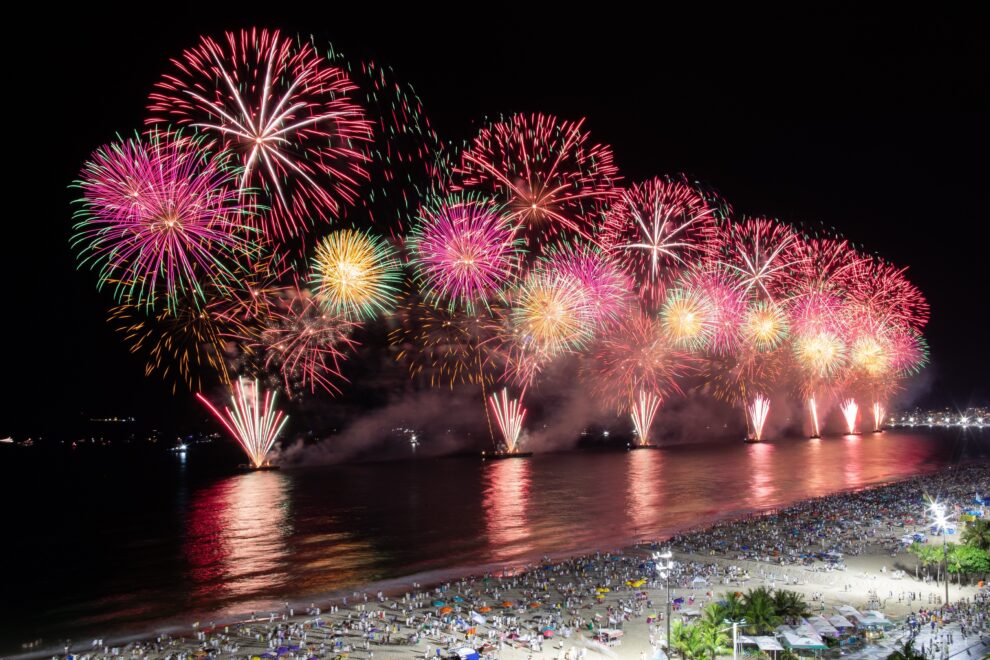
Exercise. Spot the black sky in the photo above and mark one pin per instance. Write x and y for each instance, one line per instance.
(873, 124)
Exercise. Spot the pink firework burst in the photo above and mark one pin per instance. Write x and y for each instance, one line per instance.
(656, 229)
(553, 181)
(464, 250)
(637, 357)
(759, 253)
(161, 219)
(726, 306)
(882, 290)
(606, 287)
(284, 109)
(305, 343)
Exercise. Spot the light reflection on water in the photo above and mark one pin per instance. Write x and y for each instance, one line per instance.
(190, 548)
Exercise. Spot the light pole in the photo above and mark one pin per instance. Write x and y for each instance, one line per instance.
(735, 626)
(941, 520)
(663, 570)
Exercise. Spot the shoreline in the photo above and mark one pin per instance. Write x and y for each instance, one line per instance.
(391, 590)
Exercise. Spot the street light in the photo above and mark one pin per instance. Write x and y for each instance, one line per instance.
(941, 519)
(663, 570)
(735, 626)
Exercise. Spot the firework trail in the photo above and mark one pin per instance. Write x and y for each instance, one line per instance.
(849, 412)
(758, 411)
(552, 180)
(355, 275)
(657, 229)
(879, 414)
(285, 109)
(643, 412)
(464, 251)
(446, 347)
(161, 219)
(254, 421)
(816, 431)
(509, 414)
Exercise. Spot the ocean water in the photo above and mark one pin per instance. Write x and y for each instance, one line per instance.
(113, 543)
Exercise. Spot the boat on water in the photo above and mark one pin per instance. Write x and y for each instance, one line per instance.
(648, 445)
(267, 467)
(498, 455)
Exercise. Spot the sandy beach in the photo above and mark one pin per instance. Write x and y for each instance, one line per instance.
(841, 550)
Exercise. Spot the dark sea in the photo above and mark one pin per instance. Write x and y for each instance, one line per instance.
(117, 542)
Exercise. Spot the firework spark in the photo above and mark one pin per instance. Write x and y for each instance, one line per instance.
(813, 410)
(879, 414)
(605, 285)
(850, 410)
(254, 421)
(509, 414)
(758, 411)
(643, 412)
(285, 109)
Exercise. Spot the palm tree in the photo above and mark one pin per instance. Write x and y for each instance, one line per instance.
(761, 614)
(713, 641)
(977, 534)
(789, 604)
(735, 606)
(686, 640)
(907, 652)
(714, 615)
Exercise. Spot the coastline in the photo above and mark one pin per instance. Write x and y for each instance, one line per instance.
(863, 573)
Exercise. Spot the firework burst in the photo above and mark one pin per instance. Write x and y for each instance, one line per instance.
(552, 180)
(605, 285)
(355, 274)
(759, 253)
(464, 251)
(161, 219)
(551, 315)
(284, 108)
(764, 326)
(254, 421)
(655, 230)
(304, 343)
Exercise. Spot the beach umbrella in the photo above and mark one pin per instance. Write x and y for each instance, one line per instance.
(547, 634)
(458, 599)
(534, 604)
(446, 609)
(484, 609)
(507, 604)
(438, 603)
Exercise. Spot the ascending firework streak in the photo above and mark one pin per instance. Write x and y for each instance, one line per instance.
(642, 413)
(255, 424)
(849, 410)
(758, 411)
(509, 414)
(878, 416)
(813, 409)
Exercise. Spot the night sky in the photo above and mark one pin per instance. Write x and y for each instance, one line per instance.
(874, 125)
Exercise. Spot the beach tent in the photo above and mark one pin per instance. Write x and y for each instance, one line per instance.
(467, 653)
(765, 643)
(794, 641)
(821, 626)
(841, 623)
(699, 580)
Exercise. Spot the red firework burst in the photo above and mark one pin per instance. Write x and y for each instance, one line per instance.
(656, 229)
(552, 180)
(281, 106)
